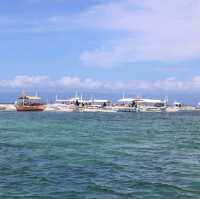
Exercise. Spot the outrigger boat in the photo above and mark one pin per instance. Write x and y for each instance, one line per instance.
(126, 105)
(141, 105)
(151, 105)
(26, 103)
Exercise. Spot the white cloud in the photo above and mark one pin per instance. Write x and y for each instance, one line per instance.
(69, 82)
(25, 82)
(156, 30)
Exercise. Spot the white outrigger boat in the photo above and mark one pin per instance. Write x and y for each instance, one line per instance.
(63, 105)
(151, 105)
(141, 105)
(125, 105)
(179, 107)
(98, 105)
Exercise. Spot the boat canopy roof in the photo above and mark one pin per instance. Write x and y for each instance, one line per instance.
(29, 97)
(151, 101)
(140, 100)
(126, 100)
(68, 100)
(101, 101)
(62, 100)
(177, 103)
(73, 99)
(83, 101)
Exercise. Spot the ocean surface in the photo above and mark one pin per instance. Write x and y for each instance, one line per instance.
(99, 155)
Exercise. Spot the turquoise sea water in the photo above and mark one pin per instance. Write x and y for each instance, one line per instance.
(99, 155)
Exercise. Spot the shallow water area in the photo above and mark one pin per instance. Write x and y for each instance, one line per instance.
(99, 155)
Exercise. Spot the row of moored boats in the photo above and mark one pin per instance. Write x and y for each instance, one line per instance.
(27, 103)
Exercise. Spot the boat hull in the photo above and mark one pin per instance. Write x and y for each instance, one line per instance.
(28, 108)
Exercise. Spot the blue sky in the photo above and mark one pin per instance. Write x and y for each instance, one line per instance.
(127, 45)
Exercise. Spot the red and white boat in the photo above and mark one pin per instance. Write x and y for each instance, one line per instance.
(26, 103)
